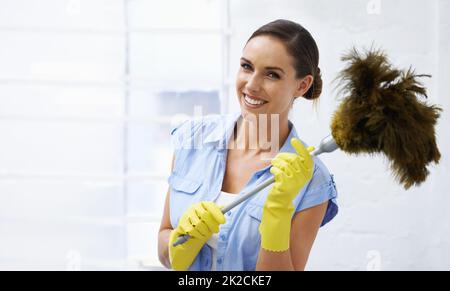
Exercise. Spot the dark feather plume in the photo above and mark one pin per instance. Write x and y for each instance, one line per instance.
(381, 112)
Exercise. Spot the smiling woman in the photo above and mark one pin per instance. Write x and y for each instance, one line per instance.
(276, 228)
(279, 60)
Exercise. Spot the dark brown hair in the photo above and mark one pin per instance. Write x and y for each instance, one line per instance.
(301, 46)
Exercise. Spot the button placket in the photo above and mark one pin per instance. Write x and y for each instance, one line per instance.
(221, 246)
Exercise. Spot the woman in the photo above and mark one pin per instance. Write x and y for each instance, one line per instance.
(219, 157)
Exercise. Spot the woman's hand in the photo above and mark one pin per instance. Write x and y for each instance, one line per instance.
(200, 221)
(292, 172)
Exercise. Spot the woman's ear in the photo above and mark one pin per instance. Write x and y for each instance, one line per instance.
(303, 85)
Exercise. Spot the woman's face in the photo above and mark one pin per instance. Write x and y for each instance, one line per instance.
(266, 82)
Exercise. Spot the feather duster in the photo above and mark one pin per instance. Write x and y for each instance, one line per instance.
(381, 113)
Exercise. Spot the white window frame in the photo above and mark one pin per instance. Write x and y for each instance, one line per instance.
(225, 33)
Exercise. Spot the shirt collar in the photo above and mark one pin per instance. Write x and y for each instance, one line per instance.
(222, 133)
(286, 148)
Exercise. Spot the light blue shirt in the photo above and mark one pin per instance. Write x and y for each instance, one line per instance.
(200, 163)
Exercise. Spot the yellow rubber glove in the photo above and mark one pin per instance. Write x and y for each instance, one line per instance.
(292, 172)
(200, 221)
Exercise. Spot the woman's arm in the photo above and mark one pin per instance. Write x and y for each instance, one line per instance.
(304, 228)
(164, 232)
(164, 235)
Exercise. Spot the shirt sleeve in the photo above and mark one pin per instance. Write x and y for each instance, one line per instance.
(320, 189)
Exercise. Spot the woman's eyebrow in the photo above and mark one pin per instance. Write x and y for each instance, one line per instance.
(267, 68)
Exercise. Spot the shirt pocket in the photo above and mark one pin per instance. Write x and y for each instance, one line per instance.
(255, 211)
(183, 184)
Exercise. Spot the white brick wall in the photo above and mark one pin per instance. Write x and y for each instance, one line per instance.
(60, 59)
(82, 128)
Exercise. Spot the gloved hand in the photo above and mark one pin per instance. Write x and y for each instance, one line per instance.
(291, 172)
(200, 221)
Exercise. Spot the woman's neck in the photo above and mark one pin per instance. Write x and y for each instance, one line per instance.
(260, 135)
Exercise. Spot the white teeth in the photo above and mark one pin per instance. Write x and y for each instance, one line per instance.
(253, 101)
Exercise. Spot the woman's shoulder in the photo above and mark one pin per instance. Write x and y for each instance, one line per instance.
(194, 123)
(320, 189)
(321, 172)
(321, 181)
(200, 129)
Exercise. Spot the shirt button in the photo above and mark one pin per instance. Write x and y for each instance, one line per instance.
(219, 261)
(223, 237)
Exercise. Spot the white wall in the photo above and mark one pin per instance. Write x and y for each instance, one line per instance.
(380, 225)
(59, 64)
(85, 150)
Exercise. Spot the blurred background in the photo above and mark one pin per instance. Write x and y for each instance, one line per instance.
(89, 90)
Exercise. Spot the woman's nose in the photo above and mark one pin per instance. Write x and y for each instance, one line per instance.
(253, 84)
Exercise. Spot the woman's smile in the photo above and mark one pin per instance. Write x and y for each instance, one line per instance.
(253, 102)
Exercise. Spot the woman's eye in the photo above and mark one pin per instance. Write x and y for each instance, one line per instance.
(274, 75)
(245, 66)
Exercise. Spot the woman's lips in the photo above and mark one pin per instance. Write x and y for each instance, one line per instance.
(253, 102)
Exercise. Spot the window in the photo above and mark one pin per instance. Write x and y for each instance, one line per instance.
(88, 89)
